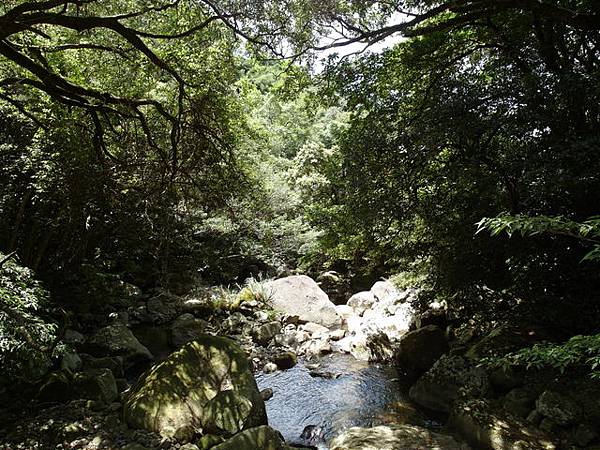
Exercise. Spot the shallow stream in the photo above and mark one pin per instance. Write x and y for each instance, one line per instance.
(362, 395)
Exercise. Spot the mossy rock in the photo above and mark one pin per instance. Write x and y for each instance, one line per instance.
(207, 385)
(263, 438)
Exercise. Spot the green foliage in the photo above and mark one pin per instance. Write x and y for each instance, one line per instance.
(579, 351)
(588, 230)
(27, 337)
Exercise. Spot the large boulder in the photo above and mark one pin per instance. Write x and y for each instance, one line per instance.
(418, 350)
(301, 296)
(207, 385)
(450, 378)
(385, 291)
(263, 438)
(361, 301)
(395, 437)
(490, 428)
(118, 340)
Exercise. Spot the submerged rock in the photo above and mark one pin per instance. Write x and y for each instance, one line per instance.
(301, 296)
(395, 437)
(207, 385)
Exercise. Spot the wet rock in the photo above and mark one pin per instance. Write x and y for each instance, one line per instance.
(263, 438)
(324, 374)
(117, 340)
(361, 301)
(206, 385)
(301, 296)
(269, 367)
(450, 378)
(186, 328)
(266, 394)
(395, 437)
(488, 428)
(285, 360)
(558, 408)
(418, 350)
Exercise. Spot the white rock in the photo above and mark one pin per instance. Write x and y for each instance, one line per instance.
(361, 302)
(386, 291)
(301, 296)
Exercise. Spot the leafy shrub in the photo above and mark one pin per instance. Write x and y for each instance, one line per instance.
(27, 338)
(579, 351)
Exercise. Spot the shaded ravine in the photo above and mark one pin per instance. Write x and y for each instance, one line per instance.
(363, 395)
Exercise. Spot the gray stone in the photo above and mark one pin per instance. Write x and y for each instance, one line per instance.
(558, 408)
(263, 334)
(266, 394)
(73, 337)
(301, 296)
(186, 328)
(98, 385)
(488, 428)
(285, 360)
(450, 378)
(418, 350)
(117, 340)
(71, 362)
(164, 308)
(263, 438)
(385, 291)
(361, 301)
(393, 438)
(270, 367)
(113, 363)
(519, 402)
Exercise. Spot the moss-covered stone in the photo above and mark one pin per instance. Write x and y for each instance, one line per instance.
(263, 438)
(207, 385)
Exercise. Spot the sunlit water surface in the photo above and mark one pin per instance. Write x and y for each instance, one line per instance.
(363, 395)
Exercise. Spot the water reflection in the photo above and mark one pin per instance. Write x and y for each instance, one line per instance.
(362, 395)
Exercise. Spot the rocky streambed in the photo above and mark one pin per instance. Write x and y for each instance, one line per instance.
(172, 373)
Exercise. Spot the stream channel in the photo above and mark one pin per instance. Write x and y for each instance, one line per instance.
(362, 395)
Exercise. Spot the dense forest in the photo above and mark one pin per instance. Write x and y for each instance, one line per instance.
(164, 164)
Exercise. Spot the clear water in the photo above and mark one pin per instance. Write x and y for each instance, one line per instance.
(363, 395)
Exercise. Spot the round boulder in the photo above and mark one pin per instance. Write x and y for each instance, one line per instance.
(207, 385)
(301, 296)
